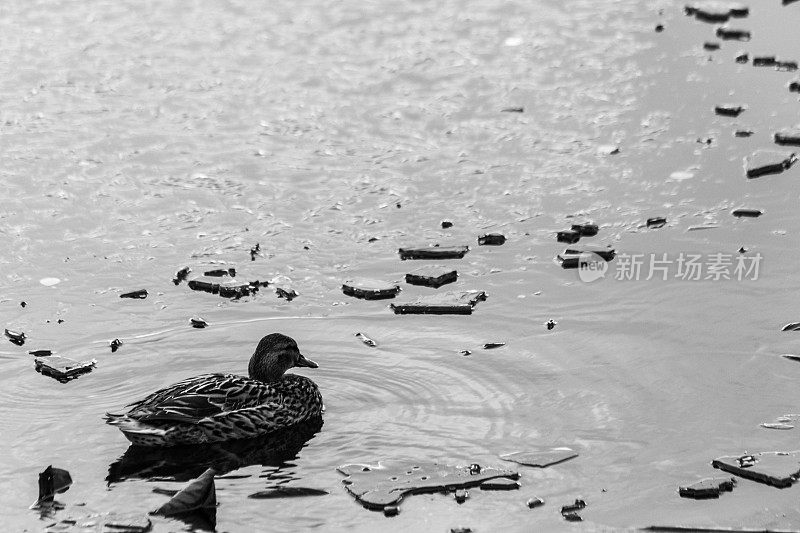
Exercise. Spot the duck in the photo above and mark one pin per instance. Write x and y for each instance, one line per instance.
(220, 407)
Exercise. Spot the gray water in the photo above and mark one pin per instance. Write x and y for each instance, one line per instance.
(140, 137)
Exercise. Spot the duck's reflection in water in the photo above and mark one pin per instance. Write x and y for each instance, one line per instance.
(182, 463)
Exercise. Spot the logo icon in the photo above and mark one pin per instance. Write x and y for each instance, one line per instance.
(591, 267)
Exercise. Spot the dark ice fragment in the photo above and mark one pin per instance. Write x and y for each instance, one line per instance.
(707, 488)
(586, 230)
(181, 275)
(731, 34)
(711, 46)
(729, 110)
(41, 353)
(254, 251)
(450, 303)
(608, 254)
(491, 345)
(568, 236)
(434, 252)
(368, 289)
(743, 133)
(141, 294)
(288, 294)
(198, 323)
(287, 492)
(391, 510)
(23, 304)
(513, 110)
(465, 352)
(752, 213)
(235, 289)
(763, 162)
(219, 272)
(115, 344)
(573, 507)
(52, 481)
(742, 57)
(492, 239)
(17, 337)
(779, 469)
(786, 66)
(461, 495)
(432, 276)
(550, 324)
(764, 61)
(791, 326)
(62, 368)
(461, 529)
(790, 136)
(534, 502)
(572, 517)
(659, 28)
(446, 224)
(794, 86)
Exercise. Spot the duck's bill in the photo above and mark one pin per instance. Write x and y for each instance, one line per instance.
(302, 361)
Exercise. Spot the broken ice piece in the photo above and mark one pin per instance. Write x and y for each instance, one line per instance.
(776, 425)
(141, 294)
(789, 136)
(198, 323)
(217, 273)
(729, 110)
(714, 11)
(707, 488)
(52, 481)
(605, 253)
(461, 495)
(446, 224)
(763, 162)
(550, 324)
(181, 275)
(235, 289)
(432, 276)
(764, 61)
(369, 289)
(568, 236)
(786, 66)
(450, 303)
(62, 368)
(573, 507)
(391, 510)
(743, 133)
(491, 345)
(434, 252)
(541, 457)
(710, 46)
(533, 503)
(17, 337)
(382, 486)
(656, 222)
(288, 294)
(500, 484)
(791, 326)
(41, 353)
(794, 86)
(742, 57)
(752, 213)
(492, 239)
(366, 340)
(779, 469)
(586, 230)
(723, 32)
(115, 344)
(513, 110)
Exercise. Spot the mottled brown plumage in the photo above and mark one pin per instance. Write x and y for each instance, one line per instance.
(220, 407)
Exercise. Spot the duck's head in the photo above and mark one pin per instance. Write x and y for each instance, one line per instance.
(275, 355)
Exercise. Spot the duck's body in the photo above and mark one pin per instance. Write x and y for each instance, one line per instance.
(220, 407)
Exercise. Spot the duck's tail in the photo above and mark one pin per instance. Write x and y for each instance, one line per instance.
(137, 432)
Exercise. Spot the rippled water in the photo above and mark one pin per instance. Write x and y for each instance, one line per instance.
(140, 137)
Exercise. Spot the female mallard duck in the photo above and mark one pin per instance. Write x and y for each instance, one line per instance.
(219, 407)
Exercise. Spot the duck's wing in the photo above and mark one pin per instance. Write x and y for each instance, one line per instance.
(199, 397)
